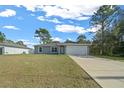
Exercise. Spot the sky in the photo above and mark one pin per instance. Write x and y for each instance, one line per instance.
(19, 22)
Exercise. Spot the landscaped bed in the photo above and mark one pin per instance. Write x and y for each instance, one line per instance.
(42, 71)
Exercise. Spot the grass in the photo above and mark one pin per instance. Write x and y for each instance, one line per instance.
(113, 58)
(42, 71)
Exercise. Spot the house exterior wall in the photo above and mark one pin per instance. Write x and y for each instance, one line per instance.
(82, 50)
(45, 50)
(36, 49)
(48, 49)
(77, 50)
(14, 50)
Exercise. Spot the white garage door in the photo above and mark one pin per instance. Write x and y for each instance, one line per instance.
(77, 50)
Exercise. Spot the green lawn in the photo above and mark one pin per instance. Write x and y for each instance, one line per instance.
(42, 71)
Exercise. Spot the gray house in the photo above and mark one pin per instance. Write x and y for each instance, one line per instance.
(12, 48)
(62, 48)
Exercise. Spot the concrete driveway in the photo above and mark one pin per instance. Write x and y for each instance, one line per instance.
(108, 73)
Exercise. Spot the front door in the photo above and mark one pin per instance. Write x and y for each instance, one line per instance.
(62, 50)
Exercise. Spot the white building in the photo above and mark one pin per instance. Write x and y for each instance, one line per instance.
(62, 48)
(6, 48)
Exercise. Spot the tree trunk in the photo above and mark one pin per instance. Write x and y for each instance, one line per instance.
(102, 36)
(101, 52)
(111, 50)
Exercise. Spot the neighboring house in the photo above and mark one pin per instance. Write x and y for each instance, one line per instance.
(11, 48)
(62, 48)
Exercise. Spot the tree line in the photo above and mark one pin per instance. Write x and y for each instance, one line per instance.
(109, 39)
(3, 39)
(46, 38)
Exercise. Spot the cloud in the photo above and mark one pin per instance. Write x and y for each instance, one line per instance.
(69, 38)
(11, 27)
(75, 12)
(32, 8)
(8, 13)
(41, 18)
(32, 14)
(70, 29)
(54, 20)
(83, 18)
(57, 39)
(94, 28)
(68, 12)
(65, 2)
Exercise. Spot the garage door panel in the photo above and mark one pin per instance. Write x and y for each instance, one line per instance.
(76, 50)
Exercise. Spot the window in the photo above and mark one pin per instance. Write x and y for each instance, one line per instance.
(54, 49)
(40, 49)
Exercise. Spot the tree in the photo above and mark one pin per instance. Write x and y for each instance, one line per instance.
(2, 37)
(118, 31)
(81, 39)
(9, 41)
(118, 28)
(20, 42)
(104, 17)
(44, 35)
(69, 41)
